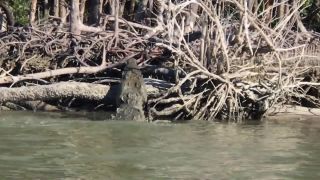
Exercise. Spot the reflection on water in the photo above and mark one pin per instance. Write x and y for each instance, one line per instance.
(56, 146)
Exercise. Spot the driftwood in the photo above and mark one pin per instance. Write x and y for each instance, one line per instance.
(63, 90)
(95, 92)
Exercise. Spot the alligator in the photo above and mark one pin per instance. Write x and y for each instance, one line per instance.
(132, 94)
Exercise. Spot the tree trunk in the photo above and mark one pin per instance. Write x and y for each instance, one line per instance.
(131, 9)
(82, 9)
(75, 18)
(268, 14)
(9, 15)
(45, 9)
(116, 15)
(191, 19)
(101, 6)
(122, 4)
(112, 7)
(282, 9)
(62, 10)
(33, 11)
(56, 8)
(2, 24)
(141, 10)
(94, 12)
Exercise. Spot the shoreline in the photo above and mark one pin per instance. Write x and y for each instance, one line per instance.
(276, 113)
(292, 112)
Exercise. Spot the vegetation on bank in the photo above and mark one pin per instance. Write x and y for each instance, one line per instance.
(228, 60)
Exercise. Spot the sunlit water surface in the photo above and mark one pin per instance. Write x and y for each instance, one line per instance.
(60, 146)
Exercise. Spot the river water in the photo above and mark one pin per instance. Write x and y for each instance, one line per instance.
(62, 146)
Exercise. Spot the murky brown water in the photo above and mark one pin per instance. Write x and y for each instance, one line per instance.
(58, 146)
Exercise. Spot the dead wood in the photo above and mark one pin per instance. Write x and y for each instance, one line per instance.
(64, 90)
(95, 92)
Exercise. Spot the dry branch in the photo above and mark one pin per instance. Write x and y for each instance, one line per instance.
(52, 73)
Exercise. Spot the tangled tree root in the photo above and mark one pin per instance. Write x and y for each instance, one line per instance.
(216, 72)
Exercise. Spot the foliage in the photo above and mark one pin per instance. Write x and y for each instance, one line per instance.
(20, 10)
(311, 14)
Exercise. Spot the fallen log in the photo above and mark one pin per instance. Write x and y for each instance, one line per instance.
(96, 92)
(63, 90)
